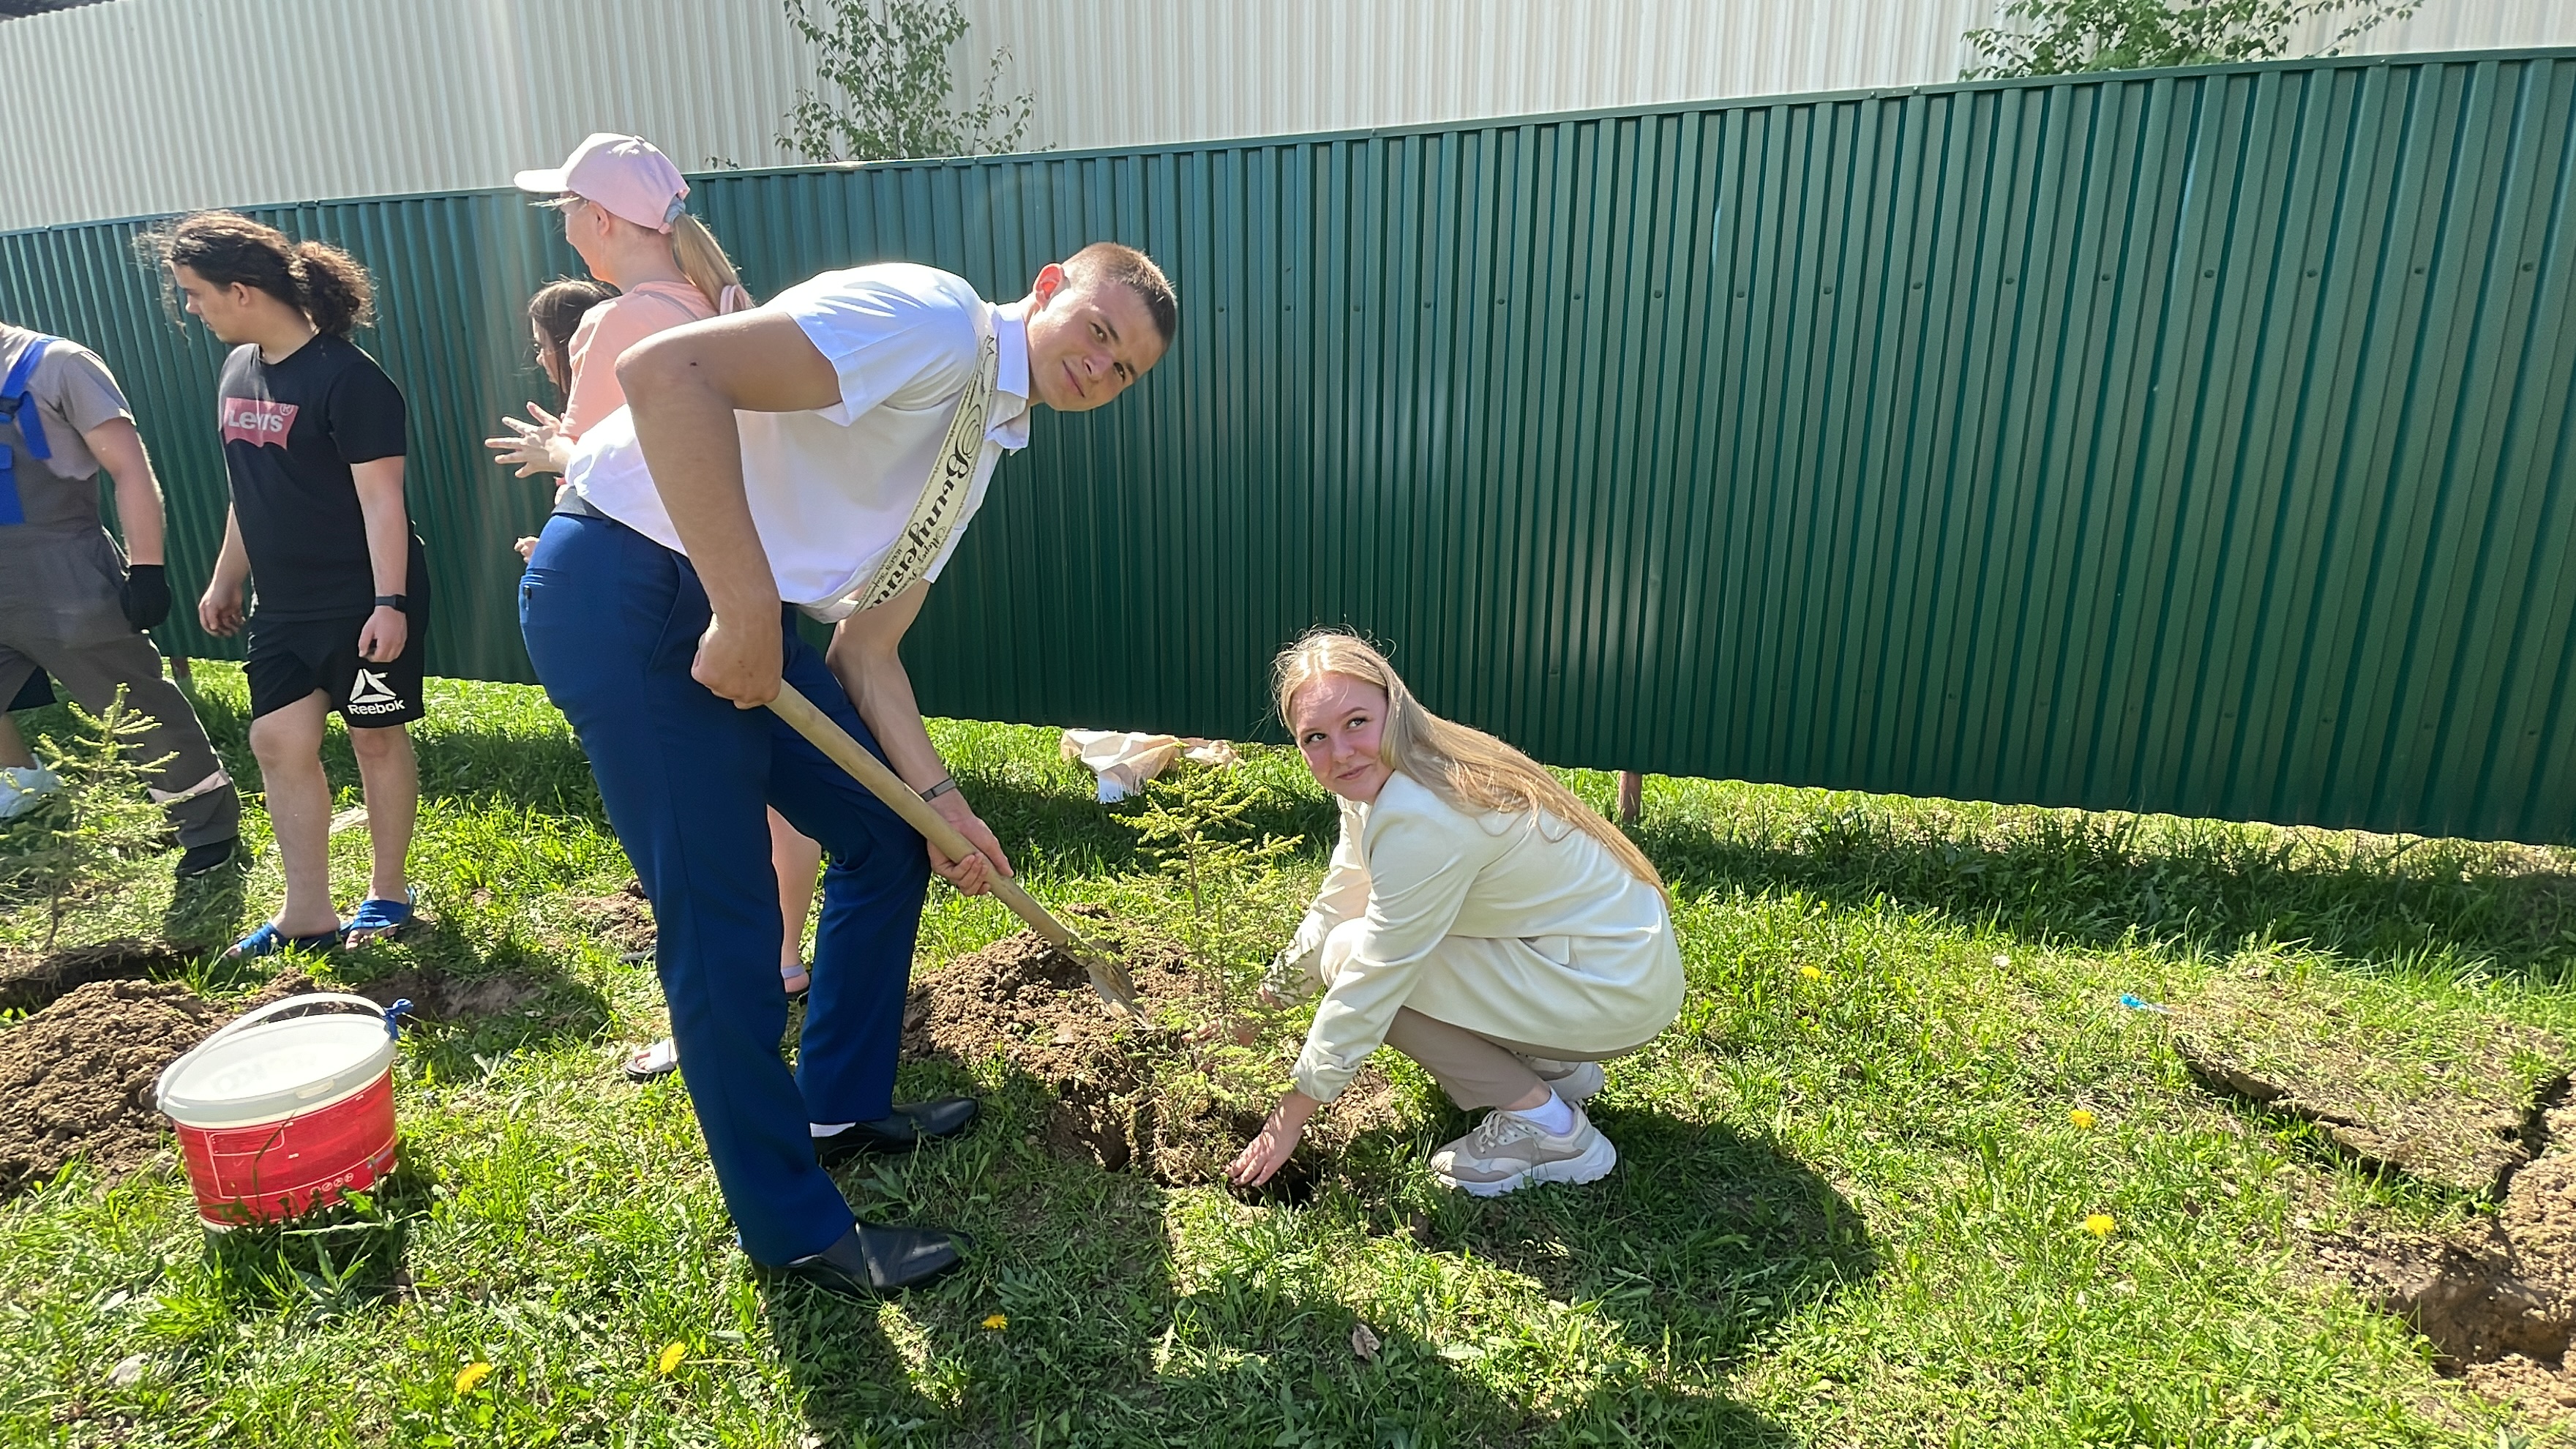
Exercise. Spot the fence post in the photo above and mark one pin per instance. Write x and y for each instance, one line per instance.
(1632, 796)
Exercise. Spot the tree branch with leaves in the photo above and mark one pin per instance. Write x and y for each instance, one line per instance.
(2060, 37)
(89, 832)
(887, 85)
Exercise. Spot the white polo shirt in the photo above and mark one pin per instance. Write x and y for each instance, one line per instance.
(830, 490)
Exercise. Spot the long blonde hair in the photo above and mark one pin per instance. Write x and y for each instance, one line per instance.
(1472, 771)
(700, 257)
(703, 261)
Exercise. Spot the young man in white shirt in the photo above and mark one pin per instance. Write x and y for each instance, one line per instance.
(824, 451)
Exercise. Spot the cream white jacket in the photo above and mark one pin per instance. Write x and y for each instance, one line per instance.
(1593, 966)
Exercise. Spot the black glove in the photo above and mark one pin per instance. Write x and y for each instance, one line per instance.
(145, 597)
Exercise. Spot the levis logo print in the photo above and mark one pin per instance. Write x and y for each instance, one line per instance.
(256, 421)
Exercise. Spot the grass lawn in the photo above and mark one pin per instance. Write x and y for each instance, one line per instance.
(1850, 1210)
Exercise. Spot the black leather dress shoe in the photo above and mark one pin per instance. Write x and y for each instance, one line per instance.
(871, 1259)
(912, 1124)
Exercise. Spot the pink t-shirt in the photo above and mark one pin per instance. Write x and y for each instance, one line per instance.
(607, 330)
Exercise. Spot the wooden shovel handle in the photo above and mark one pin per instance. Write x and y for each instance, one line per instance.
(868, 770)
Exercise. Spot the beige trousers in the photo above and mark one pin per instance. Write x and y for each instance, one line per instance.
(1474, 1069)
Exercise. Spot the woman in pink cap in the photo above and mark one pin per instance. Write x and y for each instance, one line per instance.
(623, 210)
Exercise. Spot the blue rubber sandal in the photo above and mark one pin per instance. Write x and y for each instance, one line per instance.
(383, 917)
(268, 941)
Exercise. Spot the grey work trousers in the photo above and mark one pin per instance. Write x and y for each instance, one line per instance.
(60, 612)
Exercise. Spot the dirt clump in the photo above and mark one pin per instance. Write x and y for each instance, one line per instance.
(29, 982)
(79, 1074)
(1168, 1097)
(2541, 1392)
(623, 920)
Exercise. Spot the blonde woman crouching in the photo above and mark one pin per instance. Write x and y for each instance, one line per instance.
(1477, 916)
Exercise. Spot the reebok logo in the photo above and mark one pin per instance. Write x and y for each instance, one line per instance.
(256, 421)
(369, 694)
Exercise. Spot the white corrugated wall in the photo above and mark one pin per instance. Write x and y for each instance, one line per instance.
(140, 107)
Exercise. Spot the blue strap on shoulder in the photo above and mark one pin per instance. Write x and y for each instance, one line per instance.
(30, 424)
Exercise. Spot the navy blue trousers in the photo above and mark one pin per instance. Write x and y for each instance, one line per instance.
(612, 620)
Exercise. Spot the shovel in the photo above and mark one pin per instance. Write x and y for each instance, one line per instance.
(1107, 977)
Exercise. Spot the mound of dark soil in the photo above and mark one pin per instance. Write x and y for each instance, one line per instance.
(2498, 1298)
(624, 920)
(30, 982)
(1173, 1099)
(78, 1075)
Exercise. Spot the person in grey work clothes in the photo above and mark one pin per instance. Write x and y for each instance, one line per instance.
(72, 604)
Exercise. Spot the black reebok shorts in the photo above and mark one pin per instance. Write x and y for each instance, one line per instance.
(291, 658)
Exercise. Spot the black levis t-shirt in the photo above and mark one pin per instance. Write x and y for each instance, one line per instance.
(291, 429)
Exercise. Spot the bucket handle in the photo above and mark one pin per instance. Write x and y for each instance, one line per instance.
(249, 1019)
(283, 1004)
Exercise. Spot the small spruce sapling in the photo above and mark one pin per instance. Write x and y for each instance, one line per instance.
(1193, 829)
(88, 833)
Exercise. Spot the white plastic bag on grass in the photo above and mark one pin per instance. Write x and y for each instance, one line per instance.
(1124, 761)
(21, 786)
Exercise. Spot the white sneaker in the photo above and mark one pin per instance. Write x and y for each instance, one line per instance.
(1508, 1151)
(1576, 1082)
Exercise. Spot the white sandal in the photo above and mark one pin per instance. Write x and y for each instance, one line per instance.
(660, 1059)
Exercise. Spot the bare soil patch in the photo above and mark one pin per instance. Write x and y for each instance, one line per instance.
(78, 1075)
(623, 921)
(30, 982)
(2458, 1099)
(2453, 1101)
(2497, 1298)
(1172, 1100)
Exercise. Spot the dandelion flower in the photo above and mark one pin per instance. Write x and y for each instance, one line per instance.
(670, 1357)
(996, 1323)
(472, 1374)
(1811, 973)
(2080, 1117)
(2099, 1225)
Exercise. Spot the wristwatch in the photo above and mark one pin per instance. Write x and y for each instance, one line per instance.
(393, 601)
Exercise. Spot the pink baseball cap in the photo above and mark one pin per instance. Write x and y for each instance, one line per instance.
(625, 174)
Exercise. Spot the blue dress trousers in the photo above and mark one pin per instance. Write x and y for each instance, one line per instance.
(612, 621)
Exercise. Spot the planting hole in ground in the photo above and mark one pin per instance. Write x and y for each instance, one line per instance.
(2497, 1297)
(2458, 1100)
(30, 982)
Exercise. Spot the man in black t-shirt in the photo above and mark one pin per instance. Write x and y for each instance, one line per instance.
(313, 439)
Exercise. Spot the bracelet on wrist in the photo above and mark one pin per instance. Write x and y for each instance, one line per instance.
(947, 784)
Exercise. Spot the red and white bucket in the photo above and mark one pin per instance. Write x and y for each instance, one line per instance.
(277, 1113)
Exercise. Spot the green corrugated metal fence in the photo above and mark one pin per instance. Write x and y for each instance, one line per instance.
(2193, 441)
